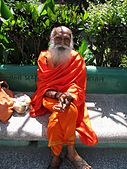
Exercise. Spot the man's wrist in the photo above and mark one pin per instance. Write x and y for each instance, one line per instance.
(57, 95)
(51, 94)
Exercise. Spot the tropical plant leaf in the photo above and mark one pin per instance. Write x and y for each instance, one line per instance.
(49, 4)
(4, 10)
(83, 47)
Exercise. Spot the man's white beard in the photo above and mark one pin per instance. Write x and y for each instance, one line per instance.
(60, 54)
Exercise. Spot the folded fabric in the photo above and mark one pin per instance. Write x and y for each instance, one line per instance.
(6, 102)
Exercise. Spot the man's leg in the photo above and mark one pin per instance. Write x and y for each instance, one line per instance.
(55, 141)
(55, 158)
(61, 128)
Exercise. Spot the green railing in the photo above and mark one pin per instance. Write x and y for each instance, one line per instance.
(99, 80)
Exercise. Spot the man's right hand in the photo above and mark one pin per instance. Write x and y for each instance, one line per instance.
(64, 101)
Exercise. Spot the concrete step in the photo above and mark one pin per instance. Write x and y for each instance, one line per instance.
(31, 157)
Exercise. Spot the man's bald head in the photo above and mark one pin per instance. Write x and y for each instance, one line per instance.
(62, 36)
(61, 30)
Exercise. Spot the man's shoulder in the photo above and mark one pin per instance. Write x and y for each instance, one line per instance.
(42, 54)
(74, 53)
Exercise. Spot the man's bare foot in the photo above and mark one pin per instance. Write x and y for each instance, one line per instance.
(55, 163)
(77, 161)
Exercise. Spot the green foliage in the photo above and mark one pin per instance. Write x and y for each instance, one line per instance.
(123, 61)
(4, 10)
(103, 25)
(106, 32)
(86, 53)
(29, 29)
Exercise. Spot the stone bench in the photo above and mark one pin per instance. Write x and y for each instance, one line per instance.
(107, 109)
(108, 114)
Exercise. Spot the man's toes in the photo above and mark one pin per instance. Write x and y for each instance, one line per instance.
(88, 167)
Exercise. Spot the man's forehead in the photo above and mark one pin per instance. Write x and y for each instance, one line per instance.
(62, 30)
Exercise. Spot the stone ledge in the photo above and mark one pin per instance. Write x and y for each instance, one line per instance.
(108, 114)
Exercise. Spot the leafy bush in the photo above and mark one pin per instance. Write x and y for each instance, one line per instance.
(28, 31)
(106, 32)
(86, 53)
(123, 61)
(103, 25)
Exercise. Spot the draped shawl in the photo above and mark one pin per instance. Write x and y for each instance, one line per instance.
(69, 77)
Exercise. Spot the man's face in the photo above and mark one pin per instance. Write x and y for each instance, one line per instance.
(60, 45)
(62, 37)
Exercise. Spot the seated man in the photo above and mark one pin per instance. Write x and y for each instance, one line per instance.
(61, 89)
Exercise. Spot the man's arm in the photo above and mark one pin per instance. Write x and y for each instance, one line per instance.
(77, 93)
(51, 94)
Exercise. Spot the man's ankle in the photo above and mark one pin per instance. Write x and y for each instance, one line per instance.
(72, 154)
(55, 161)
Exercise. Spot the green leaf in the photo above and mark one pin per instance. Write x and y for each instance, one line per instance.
(47, 22)
(3, 37)
(4, 10)
(44, 12)
(49, 4)
(1, 44)
(40, 7)
(83, 47)
(13, 22)
(85, 16)
(35, 14)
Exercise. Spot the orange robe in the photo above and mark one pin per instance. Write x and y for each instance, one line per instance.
(70, 77)
(61, 126)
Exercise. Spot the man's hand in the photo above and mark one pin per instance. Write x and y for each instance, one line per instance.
(64, 101)
(63, 98)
